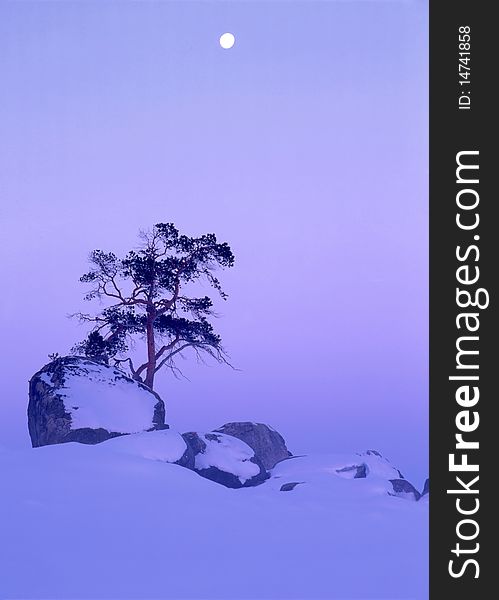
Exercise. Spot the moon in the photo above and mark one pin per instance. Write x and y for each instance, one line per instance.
(227, 40)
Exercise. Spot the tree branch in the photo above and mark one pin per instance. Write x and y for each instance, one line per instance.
(163, 349)
(118, 361)
(165, 360)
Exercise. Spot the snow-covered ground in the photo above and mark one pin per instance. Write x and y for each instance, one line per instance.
(114, 521)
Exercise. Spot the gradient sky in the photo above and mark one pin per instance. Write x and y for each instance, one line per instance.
(304, 147)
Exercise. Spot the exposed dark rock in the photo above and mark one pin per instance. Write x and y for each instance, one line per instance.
(214, 465)
(269, 446)
(426, 488)
(54, 401)
(288, 487)
(402, 488)
(187, 458)
(86, 435)
(194, 442)
(358, 471)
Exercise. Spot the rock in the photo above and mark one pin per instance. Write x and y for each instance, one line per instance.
(354, 471)
(225, 460)
(187, 459)
(403, 489)
(268, 445)
(426, 488)
(75, 399)
(288, 487)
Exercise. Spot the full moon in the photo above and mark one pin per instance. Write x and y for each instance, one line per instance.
(227, 40)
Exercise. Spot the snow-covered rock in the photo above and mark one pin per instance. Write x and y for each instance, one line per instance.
(74, 399)
(225, 459)
(355, 472)
(164, 445)
(269, 446)
(378, 465)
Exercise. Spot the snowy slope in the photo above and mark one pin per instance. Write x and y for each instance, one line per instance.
(114, 521)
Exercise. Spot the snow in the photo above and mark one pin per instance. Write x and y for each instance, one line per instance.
(164, 445)
(104, 397)
(99, 522)
(228, 454)
(45, 377)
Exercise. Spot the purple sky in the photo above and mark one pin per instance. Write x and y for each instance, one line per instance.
(304, 146)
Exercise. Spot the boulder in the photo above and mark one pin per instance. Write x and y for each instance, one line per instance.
(225, 460)
(268, 445)
(75, 399)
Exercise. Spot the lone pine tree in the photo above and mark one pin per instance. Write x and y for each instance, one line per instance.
(149, 300)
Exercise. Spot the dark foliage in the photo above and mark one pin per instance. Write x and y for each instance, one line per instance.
(147, 290)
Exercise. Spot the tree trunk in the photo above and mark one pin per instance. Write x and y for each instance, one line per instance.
(151, 351)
